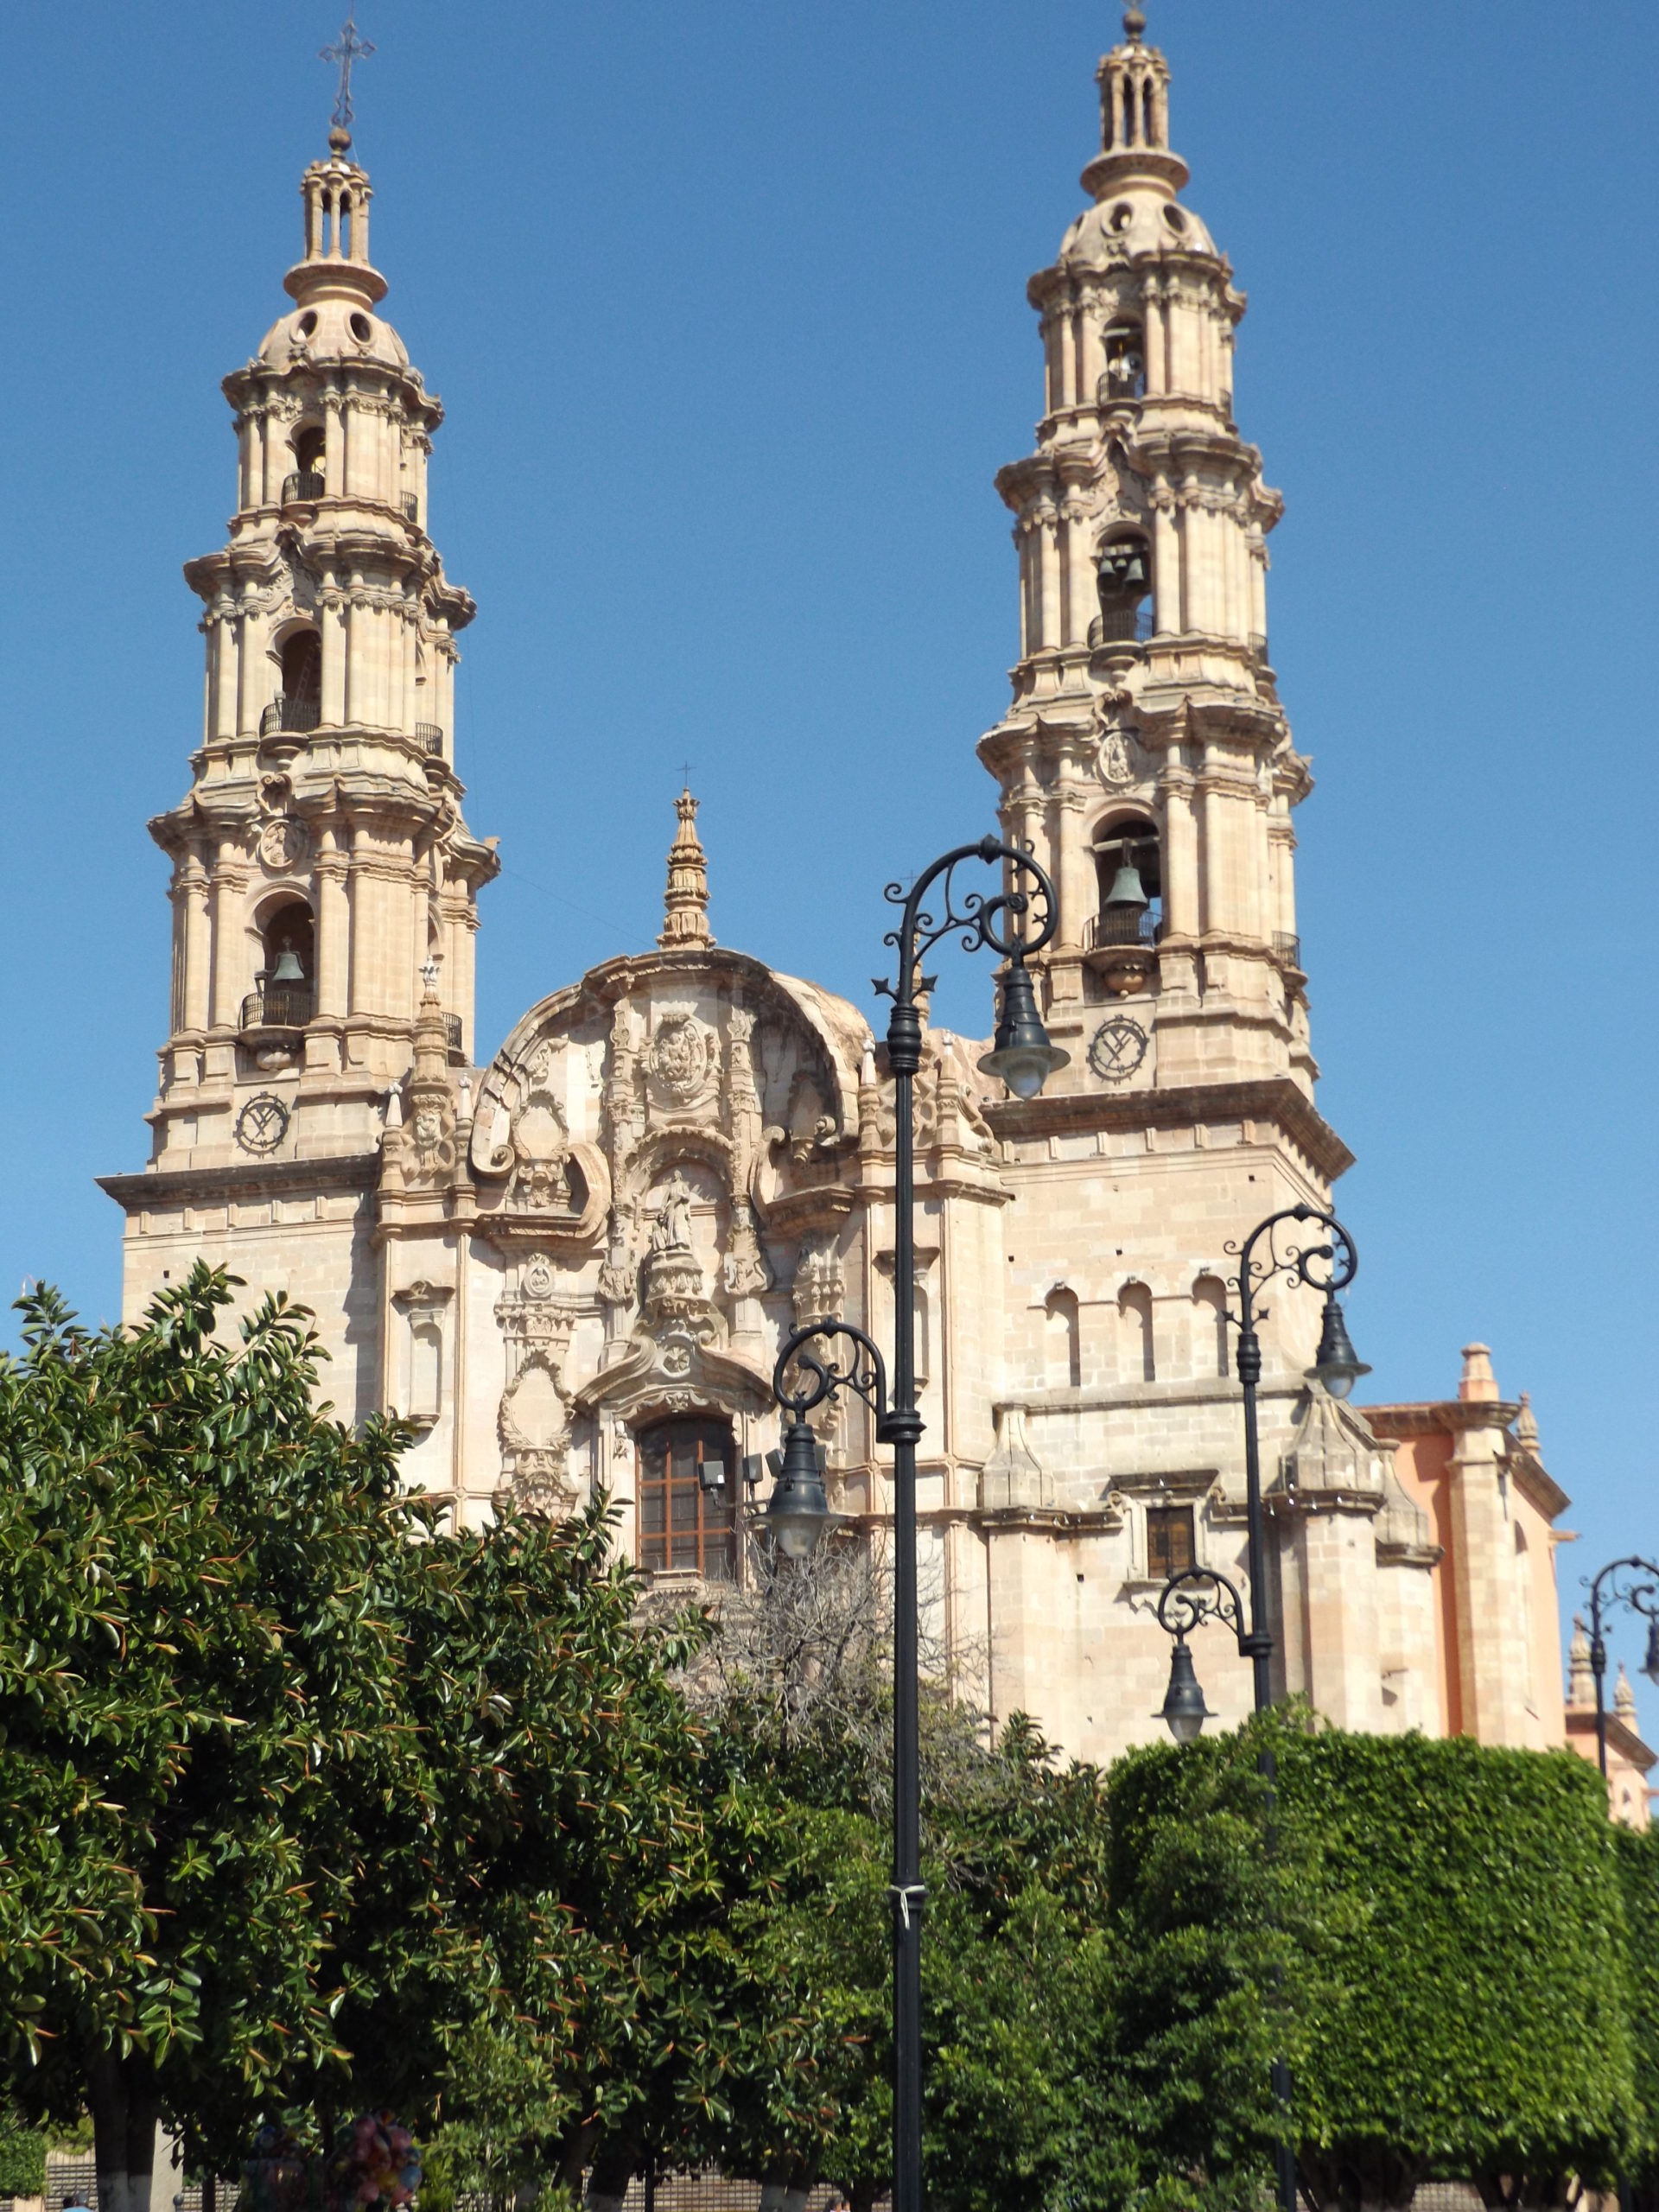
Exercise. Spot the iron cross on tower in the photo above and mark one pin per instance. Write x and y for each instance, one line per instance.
(345, 49)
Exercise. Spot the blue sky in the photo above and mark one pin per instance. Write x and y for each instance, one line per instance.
(727, 306)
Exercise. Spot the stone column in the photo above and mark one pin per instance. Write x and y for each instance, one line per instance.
(1076, 883)
(1049, 554)
(1493, 1664)
(333, 636)
(1166, 561)
(334, 928)
(198, 943)
(1153, 342)
(230, 977)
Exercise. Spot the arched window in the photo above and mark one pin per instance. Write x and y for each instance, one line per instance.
(1063, 1351)
(1209, 1326)
(286, 997)
(688, 1506)
(1126, 362)
(299, 704)
(1124, 578)
(1134, 1334)
(1129, 872)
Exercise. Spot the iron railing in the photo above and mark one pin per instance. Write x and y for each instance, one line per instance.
(1121, 926)
(1287, 949)
(411, 508)
(298, 714)
(279, 1006)
(305, 484)
(1258, 642)
(452, 1035)
(430, 735)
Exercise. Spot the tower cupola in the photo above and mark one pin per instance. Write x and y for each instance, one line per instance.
(336, 264)
(1133, 80)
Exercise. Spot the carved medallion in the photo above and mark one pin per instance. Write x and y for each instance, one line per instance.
(1114, 762)
(263, 1123)
(284, 842)
(681, 1061)
(1117, 1048)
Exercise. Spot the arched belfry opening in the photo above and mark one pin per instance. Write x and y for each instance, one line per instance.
(1123, 580)
(1125, 374)
(1129, 867)
(299, 703)
(286, 997)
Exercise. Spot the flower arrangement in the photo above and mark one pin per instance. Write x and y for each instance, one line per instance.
(377, 2161)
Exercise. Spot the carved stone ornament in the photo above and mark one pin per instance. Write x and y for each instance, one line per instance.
(745, 1272)
(263, 1122)
(820, 1287)
(284, 842)
(683, 1062)
(1117, 1049)
(1116, 761)
(430, 1141)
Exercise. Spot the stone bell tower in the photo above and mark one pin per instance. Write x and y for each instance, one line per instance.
(1146, 755)
(1146, 761)
(320, 857)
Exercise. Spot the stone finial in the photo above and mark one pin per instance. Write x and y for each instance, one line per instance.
(685, 906)
(1526, 1426)
(1581, 1680)
(1478, 1382)
(1134, 23)
(1625, 1697)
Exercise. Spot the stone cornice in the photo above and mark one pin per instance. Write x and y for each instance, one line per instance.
(1439, 1417)
(1273, 1098)
(1581, 1721)
(237, 1183)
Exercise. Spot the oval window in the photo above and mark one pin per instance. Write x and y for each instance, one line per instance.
(306, 323)
(362, 329)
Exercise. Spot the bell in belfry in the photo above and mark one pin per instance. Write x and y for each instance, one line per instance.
(288, 968)
(1126, 890)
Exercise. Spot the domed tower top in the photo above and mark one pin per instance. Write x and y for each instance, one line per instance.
(1133, 82)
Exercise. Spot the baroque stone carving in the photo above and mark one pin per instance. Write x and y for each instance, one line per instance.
(744, 1270)
(682, 1064)
(820, 1287)
(533, 1418)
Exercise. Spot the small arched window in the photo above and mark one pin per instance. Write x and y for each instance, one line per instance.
(1123, 579)
(1062, 1348)
(1209, 1326)
(1126, 362)
(1134, 1334)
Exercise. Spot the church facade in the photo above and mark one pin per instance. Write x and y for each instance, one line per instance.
(571, 1263)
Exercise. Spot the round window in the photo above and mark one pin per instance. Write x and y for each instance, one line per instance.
(1174, 217)
(1122, 215)
(306, 323)
(362, 329)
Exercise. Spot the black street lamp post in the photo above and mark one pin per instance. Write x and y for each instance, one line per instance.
(1329, 1267)
(1642, 1598)
(1022, 1057)
(1182, 1604)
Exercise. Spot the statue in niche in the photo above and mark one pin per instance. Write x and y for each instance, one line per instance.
(671, 1230)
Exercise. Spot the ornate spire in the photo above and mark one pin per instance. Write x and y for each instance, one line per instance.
(1581, 1681)
(685, 908)
(1526, 1426)
(1625, 1697)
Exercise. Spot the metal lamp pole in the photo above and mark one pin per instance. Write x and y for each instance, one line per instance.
(1329, 1267)
(1642, 1598)
(1023, 1058)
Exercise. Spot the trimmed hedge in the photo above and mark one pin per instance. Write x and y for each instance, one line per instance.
(1458, 2001)
(1638, 1859)
(22, 2161)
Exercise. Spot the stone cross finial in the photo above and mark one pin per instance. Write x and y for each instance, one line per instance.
(685, 907)
(345, 49)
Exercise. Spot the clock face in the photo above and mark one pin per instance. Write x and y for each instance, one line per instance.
(263, 1123)
(1117, 1048)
